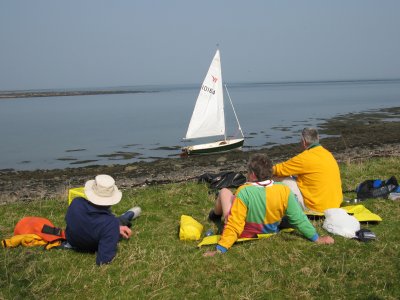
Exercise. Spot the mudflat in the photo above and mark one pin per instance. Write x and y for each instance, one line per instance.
(352, 137)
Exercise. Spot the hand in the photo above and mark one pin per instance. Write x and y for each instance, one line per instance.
(125, 232)
(210, 253)
(325, 240)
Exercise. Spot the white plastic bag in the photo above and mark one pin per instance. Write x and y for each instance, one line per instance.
(338, 221)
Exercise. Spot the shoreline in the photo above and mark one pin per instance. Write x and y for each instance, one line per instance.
(353, 137)
(35, 94)
(32, 93)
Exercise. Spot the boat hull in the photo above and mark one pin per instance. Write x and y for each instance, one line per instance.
(219, 146)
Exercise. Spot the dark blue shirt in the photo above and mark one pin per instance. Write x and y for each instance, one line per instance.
(92, 228)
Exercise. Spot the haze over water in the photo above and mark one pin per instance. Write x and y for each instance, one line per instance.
(59, 132)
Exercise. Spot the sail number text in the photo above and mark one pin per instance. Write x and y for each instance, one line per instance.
(207, 89)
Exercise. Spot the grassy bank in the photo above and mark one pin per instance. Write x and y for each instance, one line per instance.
(155, 264)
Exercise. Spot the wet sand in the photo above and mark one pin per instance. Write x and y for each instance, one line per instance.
(352, 137)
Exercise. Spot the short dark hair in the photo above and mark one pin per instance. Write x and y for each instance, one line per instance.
(261, 166)
(310, 135)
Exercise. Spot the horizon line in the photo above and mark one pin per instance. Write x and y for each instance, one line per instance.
(122, 88)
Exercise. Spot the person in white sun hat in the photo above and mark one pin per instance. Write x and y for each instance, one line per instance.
(91, 226)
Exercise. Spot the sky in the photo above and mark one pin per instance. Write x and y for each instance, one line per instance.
(53, 44)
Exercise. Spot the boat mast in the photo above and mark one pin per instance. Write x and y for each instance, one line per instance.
(237, 120)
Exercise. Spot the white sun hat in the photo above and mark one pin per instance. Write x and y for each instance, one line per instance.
(102, 191)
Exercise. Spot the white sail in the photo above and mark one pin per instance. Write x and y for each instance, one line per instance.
(208, 115)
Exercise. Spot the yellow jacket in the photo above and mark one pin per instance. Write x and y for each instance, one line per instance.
(28, 240)
(318, 177)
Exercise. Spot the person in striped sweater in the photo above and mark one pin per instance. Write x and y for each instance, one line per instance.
(258, 207)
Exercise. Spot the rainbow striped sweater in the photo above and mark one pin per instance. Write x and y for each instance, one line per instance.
(259, 208)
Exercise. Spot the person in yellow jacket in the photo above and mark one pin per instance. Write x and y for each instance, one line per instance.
(258, 207)
(313, 175)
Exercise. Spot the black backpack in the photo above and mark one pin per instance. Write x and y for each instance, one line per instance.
(376, 188)
(221, 180)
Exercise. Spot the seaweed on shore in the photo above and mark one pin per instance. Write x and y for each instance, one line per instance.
(120, 155)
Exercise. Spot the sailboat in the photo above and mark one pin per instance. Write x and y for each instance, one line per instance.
(208, 118)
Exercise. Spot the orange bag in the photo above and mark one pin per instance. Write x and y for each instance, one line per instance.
(41, 227)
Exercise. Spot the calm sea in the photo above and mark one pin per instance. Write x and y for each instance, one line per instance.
(59, 132)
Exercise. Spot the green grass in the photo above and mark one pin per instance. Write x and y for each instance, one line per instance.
(155, 264)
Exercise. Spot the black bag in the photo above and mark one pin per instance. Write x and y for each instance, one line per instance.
(376, 188)
(221, 180)
(365, 235)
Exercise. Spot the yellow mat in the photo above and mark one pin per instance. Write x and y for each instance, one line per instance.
(360, 212)
(213, 239)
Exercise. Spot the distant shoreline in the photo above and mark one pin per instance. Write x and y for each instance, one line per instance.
(8, 95)
(155, 88)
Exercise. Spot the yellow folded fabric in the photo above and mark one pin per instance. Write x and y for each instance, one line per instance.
(213, 239)
(76, 192)
(26, 240)
(314, 213)
(360, 212)
(209, 240)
